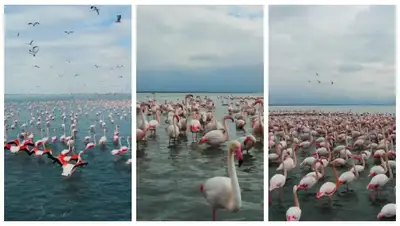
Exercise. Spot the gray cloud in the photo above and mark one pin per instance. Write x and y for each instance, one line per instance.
(190, 37)
(354, 46)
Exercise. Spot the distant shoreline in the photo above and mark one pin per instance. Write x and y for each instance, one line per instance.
(335, 104)
(192, 92)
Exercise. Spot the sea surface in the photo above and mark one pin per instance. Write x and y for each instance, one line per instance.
(169, 178)
(35, 190)
(345, 206)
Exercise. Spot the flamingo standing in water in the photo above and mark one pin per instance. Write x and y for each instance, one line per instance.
(294, 212)
(217, 137)
(195, 125)
(224, 192)
(122, 149)
(329, 188)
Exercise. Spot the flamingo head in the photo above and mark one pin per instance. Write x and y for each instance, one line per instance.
(258, 101)
(372, 174)
(380, 215)
(229, 117)
(189, 95)
(372, 186)
(250, 141)
(236, 148)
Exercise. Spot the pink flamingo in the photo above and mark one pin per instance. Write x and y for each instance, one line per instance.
(217, 137)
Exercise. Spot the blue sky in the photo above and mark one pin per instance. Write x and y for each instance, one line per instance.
(200, 48)
(355, 50)
(97, 40)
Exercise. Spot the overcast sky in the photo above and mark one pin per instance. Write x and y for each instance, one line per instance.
(353, 46)
(97, 39)
(200, 48)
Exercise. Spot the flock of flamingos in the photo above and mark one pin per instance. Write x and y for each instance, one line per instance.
(37, 135)
(195, 115)
(331, 139)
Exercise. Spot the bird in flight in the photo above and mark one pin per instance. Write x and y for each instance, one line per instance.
(34, 23)
(309, 81)
(31, 42)
(95, 9)
(317, 74)
(68, 61)
(36, 66)
(118, 19)
(76, 75)
(120, 66)
(331, 82)
(34, 50)
(120, 76)
(68, 32)
(18, 34)
(97, 66)
(319, 81)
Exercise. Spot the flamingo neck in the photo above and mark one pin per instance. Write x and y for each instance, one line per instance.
(226, 130)
(236, 201)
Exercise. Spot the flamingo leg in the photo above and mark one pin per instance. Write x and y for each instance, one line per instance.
(214, 215)
(280, 193)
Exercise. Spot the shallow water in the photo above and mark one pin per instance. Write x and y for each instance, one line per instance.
(169, 179)
(101, 191)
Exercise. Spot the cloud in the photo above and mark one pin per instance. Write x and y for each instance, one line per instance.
(197, 41)
(96, 40)
(353, 46)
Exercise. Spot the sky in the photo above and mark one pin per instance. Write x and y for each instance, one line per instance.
(67, 61)
(353, 46)
(200, 48)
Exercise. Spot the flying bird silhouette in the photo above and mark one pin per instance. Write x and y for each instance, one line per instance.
(76, 75)
(118, 19)
(34, 23)
(317, 74)
(95, 9)
(331, 82)
(97, 66)
(68, 32)
(36, 66)
(319, 81)
(18, 34)
(309, 81)
(31, 42)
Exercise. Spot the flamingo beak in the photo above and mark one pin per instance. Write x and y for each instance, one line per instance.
(239, 156)
(320, 194)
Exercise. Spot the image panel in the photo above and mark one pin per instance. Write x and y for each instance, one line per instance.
(332, 122)
(200, 113)
(67, 113)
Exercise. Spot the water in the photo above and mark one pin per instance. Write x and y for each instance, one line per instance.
(352, 206)
(101, 191)
(168, 179)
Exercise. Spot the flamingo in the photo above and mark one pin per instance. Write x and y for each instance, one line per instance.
(103, 139)
(217, 137)
(224, 192)
(278, 181)
(389, 210)
(294, 212)
(329, 188)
